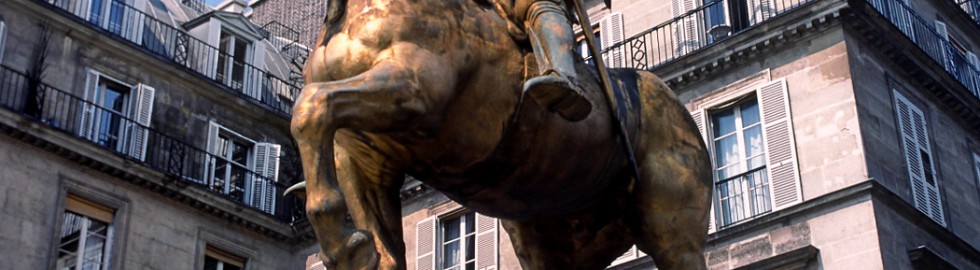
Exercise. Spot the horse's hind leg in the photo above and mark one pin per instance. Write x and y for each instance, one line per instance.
(672, 199)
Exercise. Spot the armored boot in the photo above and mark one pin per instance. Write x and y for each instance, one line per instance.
(551, 39)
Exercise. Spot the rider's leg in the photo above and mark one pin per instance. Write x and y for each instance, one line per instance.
(552, 41)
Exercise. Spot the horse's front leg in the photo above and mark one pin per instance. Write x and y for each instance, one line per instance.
(388, 96)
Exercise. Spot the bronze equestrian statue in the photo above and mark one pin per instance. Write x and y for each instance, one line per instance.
(434, 89)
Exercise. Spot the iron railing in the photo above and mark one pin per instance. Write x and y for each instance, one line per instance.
(971, 7)
(743, 196)
(694, 30)
(280, 35)
(182, 49)
(116, 132)
(932, 39)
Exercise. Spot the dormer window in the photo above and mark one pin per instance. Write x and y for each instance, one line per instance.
(232, 59)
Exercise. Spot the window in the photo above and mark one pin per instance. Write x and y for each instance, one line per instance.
(740, 159)
(582, 46)
(241, 168)
(611, 33)
(918, 158)
(115, 115)
(466, 241)
(753, 155)
(216, 259)
(233, 52)
(3, 38)
(86, 234)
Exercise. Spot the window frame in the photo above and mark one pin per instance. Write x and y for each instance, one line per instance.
(70, 186)
(223, 257)
(429, 238)
(462, 238)
(748, 203)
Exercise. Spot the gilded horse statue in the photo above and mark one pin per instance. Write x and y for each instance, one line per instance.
(433, 89)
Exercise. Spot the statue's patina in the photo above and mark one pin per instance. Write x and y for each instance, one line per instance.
(433, 88)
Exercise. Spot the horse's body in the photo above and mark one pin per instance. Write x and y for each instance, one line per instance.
(431, 88)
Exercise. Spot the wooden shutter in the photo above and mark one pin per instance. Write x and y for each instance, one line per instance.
(918, 158)
(687, 32)
(212, 148)
(974, 72)
(783, 170)
(254, 74)
(699, 121)
(762, 10)
(611, 32)
(3, 38)
(944, 48)
(87, 128)
(486, 242)
(142, 113)
(425, 244)
(266, 164)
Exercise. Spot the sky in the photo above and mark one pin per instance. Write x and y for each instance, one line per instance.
(211, 3)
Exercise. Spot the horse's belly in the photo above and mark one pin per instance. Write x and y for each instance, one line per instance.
(531, 192)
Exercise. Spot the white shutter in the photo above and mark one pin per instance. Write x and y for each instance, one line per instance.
(254, 73)
(142, 113)
(970, 57)
(611, 32)
(82, 8)
(3, 38)
(944, 49)
(486, 242)
(699, 121)
(425, 244)
(783, 170)
(87, 128)
(687, 32)
(629, 255)
(210, 68)
(762, 10)
(976, 167)
(266, 164)
(918, 158)
(134, 21)
(212, 149)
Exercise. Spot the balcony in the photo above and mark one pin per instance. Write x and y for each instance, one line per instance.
(696, 30)
(933, 39)
(971, 7)
(179, 48)
(143, 145)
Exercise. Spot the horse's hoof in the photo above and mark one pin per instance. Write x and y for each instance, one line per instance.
(559, 95)
(299, 189)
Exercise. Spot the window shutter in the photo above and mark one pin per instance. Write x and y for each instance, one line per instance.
(87, 127)
(212, 148)
(947, 54)
(762, 10)
(699, 121)
(782, 167)
(976, 167)
(486, 242)
(82, 8)
(142, 114)
(970, 57)
(213, 38)
(425, 244)
(134, 22)
(918, 157)
(611, 32)
(3, 38)
(254, 73)
(687, 32)
(629, 255)
(266, 164)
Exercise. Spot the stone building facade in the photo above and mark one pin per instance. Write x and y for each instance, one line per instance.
(144, 135)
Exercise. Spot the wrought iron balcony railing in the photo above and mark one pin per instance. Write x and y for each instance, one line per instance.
(693, 31)
(971, 7)
(933, 39)
(743, 196)
(180, 48)
(128, 138)
(196, 5)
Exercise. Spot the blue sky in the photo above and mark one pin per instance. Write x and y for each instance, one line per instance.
(211, 3)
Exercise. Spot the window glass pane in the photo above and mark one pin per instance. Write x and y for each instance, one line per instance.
(210, 263)
(240, 153)
(726, 151)
(470, 222)
(754, 147)
(723, 122)
(450, 254)
(470, 247)
(450, 229)
(750, 112)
